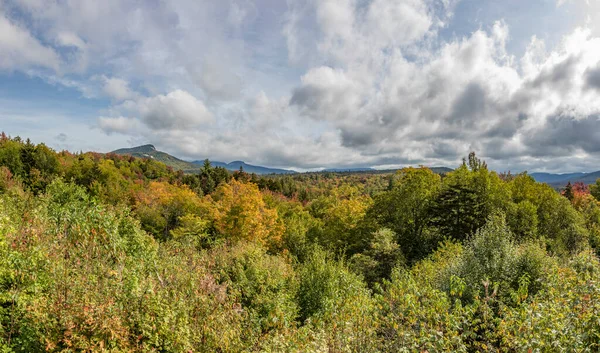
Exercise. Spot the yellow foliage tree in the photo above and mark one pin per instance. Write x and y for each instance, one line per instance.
(240, 212)
(160, 206)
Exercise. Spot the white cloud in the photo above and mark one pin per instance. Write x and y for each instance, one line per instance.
(118, 89)
(467, 95)
(399, 22)
(20, 50)
(118, 124)
(378, 82)
(177, 110)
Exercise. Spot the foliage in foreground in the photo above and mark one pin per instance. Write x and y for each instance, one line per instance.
(104, 254)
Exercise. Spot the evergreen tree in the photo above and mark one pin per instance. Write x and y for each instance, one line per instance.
(207, 181)
(568, 193)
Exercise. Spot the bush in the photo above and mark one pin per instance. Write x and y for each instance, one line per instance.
(335, 301)
(563, 316)
(264, 285)
(489, 257)
(417, 318)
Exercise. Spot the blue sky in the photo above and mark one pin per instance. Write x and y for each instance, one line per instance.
(309, 83)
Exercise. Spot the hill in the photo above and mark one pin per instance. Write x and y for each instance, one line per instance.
(441, 170)
(149, 151)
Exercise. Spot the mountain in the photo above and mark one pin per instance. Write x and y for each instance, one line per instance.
(589, 178)
(149, 151)
(348, 170)
(441, 170)
(553, 178)
(248, 168)
(560, 180)
(437, 170)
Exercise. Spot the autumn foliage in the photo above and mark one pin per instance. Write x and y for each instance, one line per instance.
(239, 211)
(105, 253)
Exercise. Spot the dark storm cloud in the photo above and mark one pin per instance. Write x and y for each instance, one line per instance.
(592, 78)
(499, 149)
(470, 106)
(444, 150)
(562, 135)
(559, 76)
(358, 137)
(507, 127)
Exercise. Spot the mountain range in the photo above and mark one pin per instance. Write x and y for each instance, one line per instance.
(248, 168)
(149, 151)
(560, 180)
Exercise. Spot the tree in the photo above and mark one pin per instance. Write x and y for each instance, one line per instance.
(161, 205)
(523, 220)
(207, 182)
(468, 196)
(459, 210)
(568, 192)
(382, 256)
(341, 214)
(595, 190)
(405, 209)
(475, 164)
(239, 212)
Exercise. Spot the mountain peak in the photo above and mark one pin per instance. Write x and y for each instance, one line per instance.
(147, 147)
(139, 149)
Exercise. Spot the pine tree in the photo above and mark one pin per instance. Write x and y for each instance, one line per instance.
(568, 193)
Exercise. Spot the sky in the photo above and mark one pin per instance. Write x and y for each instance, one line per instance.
(307, 84)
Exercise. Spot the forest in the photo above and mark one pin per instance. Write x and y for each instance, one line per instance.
(111, 253)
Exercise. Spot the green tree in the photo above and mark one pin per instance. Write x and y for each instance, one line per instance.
(468, 196)
(523, 220)
(406, 210)
(207, 181)
(378, 261)
(595, 190)
(568, 192)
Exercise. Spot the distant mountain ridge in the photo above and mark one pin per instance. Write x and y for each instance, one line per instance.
(343, 170)
(149, 151)
(560, 180)
(552, 178)
(248, 168)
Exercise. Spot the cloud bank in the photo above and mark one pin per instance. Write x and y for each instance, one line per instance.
(309, 83)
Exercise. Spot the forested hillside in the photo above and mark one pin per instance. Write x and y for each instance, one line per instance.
(112, 253)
